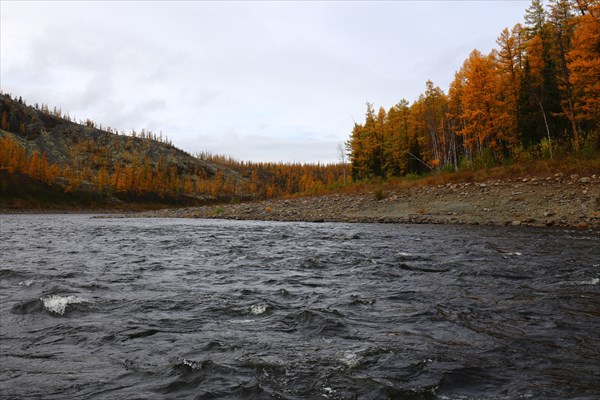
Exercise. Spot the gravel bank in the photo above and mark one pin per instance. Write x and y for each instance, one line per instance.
(557, 200)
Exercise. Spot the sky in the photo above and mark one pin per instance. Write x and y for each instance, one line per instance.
(260, 81)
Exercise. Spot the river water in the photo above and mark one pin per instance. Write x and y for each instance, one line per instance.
(101, 308)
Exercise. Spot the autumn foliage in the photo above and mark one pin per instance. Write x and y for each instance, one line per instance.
(538, 91)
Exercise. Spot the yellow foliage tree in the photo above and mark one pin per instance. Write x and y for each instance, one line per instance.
(584, 66)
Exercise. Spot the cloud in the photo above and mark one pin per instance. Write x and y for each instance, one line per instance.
(257, 80)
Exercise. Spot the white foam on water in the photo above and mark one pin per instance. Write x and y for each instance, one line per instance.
(258, 309)
(191, 363)
(26, 283)
(350, 359)
(593, 281)
(327, 392)
(514, 253)
(58, 304)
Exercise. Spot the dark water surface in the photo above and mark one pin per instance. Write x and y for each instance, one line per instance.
(151, 309)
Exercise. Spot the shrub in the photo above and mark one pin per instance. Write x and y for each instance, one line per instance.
(485, 160)
(546, 148)
(465, 164)
(520, 154)
(591, 144)
(218, 210)
(412, 177)
(448, 168)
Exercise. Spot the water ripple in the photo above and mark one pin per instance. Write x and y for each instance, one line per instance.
(116, 308)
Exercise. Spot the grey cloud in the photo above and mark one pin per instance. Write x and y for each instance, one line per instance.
(245, 78)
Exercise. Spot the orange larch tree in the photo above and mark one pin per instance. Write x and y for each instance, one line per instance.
(478, 103)
(584, 67)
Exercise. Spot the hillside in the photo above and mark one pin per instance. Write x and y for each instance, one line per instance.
(49, 161)
(47, 158)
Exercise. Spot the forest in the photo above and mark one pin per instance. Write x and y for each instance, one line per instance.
(537, 95)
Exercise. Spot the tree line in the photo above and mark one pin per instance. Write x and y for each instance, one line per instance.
(274, 179)
(138, 177)
(537, 93)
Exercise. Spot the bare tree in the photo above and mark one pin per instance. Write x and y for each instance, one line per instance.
(343, 157)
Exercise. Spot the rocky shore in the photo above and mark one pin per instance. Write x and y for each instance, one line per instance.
(557, 200)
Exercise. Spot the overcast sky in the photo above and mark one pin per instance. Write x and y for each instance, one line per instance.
(262, 81)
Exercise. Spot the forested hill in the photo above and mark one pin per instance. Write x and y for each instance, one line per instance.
(44, 151)
(48, 160)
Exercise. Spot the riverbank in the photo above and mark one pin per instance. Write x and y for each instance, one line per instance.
(555, 200)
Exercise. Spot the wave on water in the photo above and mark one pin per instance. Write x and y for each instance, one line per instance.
(593, 281)
(58, 304)
(258, 309)
(350, 359)
(408, 267)
(513, 253)
(11, 274)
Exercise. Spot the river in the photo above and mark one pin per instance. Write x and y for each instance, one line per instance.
(104, 308)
